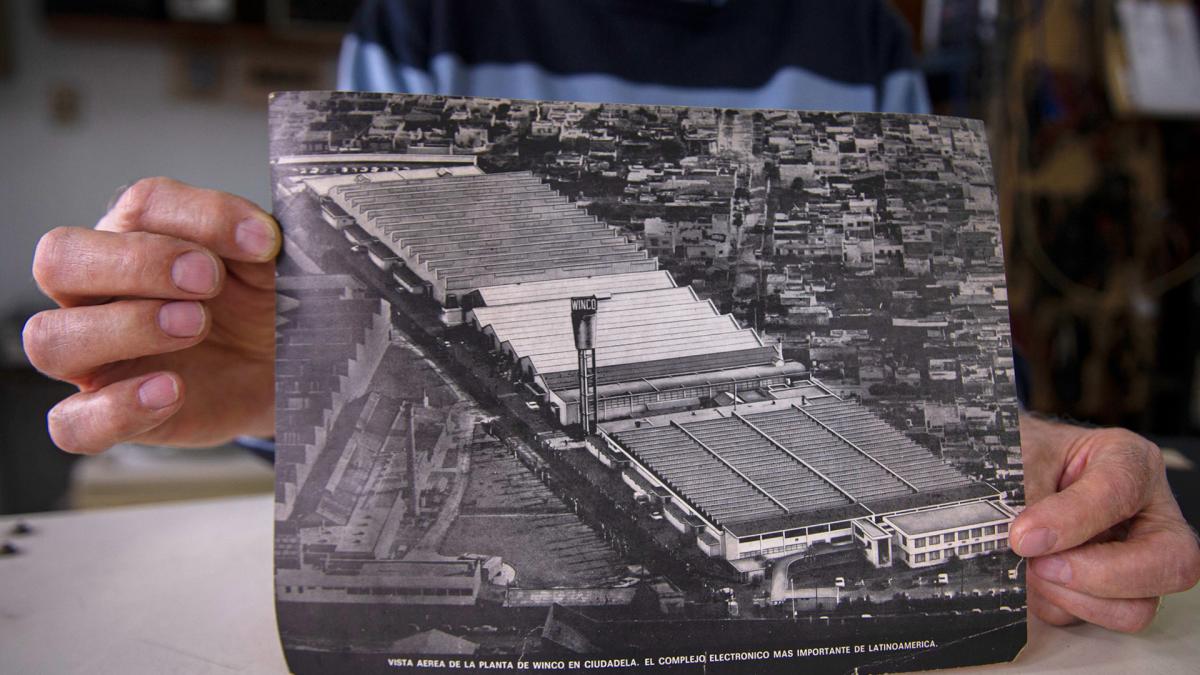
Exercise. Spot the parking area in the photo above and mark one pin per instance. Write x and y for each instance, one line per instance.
(978, 576)
(501, 484)
(507, 511)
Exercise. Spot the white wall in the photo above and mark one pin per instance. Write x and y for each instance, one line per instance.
(130, 126)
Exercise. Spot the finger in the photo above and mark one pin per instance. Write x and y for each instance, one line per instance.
(1157, 563)
(1049, 612)
(232, 227)
(70, 343)
(260, 276)
(1127, 615)
(1119, 473)
(75, 266)
(91, 422)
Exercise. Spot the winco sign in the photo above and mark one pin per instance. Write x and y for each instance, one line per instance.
(583, 321)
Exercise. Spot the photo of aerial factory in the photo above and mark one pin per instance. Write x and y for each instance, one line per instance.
(563, 378)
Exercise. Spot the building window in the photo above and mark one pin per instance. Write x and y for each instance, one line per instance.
(990, 529)
(935, 555)
(903, 540)
(1002, 544)
(1002, 527)
(989, 545)
(976, 548)
(976, 532)
(919, 542)
(920, 557)
(935, 539)
(963, 550)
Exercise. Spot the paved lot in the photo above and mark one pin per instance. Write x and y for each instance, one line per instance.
(508, 512)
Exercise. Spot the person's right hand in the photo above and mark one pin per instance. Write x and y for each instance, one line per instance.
(167, 320)
(1103, 532)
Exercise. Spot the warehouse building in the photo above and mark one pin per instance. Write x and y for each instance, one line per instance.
(405, 582)
(311, 391)
(768, 479)
(658, 348)
(459, 233)
(505, 253)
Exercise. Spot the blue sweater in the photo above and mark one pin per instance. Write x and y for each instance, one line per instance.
(852, 55)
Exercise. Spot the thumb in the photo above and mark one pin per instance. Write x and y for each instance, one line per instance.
(1119, 472)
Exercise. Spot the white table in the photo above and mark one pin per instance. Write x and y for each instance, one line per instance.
(186, 588)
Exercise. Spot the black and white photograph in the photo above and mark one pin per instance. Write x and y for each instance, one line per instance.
(584, 386)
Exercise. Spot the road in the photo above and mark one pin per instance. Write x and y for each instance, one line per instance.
(779, 577)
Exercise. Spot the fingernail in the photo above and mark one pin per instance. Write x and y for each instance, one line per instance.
(1037, 542)
(158, 392)
(194, 272)
(1052, 568)
(181, 319)
(255, 237)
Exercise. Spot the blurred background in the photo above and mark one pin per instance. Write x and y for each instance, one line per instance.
(1093, 109)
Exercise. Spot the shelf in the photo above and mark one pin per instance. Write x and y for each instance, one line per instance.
(176, 32)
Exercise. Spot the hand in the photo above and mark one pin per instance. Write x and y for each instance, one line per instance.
(1104, 535)
(167, 320)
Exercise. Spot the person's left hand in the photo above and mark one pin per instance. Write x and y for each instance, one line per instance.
(1103, 532)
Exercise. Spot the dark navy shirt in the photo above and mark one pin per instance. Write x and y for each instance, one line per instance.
(852, 55)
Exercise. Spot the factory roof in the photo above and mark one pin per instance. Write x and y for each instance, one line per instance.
(949, 518)
(792, 463)
(322, 184)
(606, 284)
(631, 328)
(465, 232)
(433, 642)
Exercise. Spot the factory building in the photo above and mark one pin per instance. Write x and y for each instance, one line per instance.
(459, 232)
(309, 392)
(742, 450)
(658, 347)
(927, 538)
(406, 582)
(768, 479)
